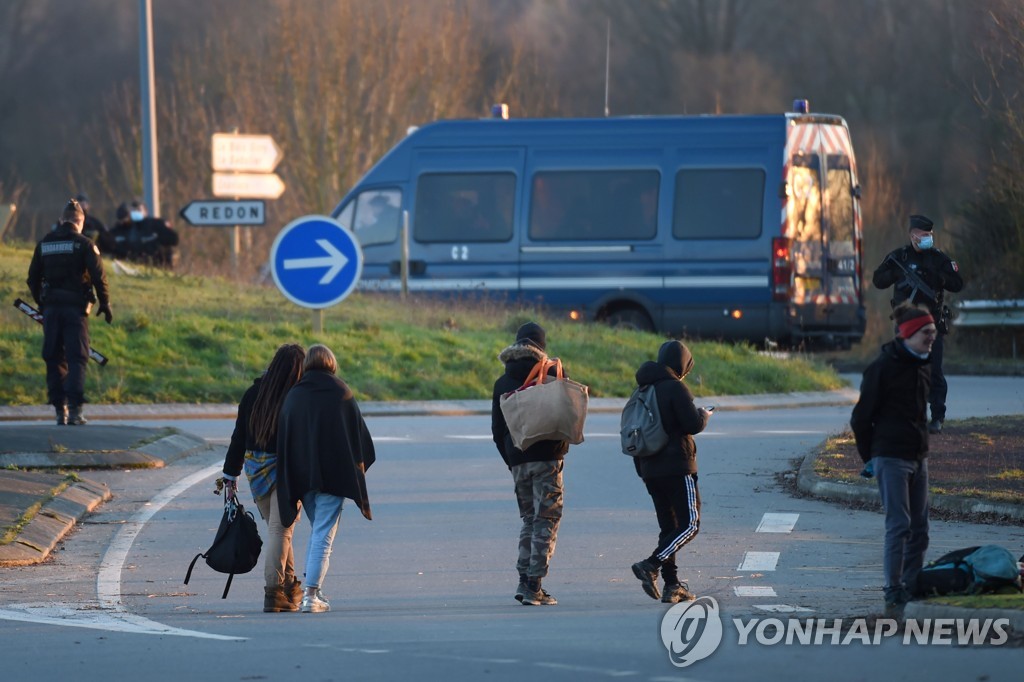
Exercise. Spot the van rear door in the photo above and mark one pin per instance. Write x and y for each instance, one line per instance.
(842, 256)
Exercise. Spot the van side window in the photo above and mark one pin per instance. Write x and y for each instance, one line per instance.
(585, 205)
(718, 203)
(377, 216)
(464, 207)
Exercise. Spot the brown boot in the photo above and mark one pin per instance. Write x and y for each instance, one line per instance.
(62, 414)
(293, 590)
(277, 599)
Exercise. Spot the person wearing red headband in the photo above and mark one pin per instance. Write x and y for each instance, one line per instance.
(890, 425)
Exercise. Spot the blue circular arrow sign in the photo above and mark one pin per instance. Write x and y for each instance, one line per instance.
(315, 261)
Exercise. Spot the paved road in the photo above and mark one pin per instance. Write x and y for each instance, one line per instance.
(424, 590)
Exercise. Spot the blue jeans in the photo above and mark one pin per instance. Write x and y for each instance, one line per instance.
(903, 484)
(324, 513)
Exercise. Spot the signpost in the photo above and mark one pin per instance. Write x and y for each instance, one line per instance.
(245, 153)
(316, 262)
(221, 213)
(248, 185)
(243, 168)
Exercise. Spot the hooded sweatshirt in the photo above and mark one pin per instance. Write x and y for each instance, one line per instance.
(679, 414)
(519, 359)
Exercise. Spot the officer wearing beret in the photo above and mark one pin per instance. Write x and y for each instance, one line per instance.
(920, 273)
(66, 267)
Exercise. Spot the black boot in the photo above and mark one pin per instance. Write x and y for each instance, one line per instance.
(75, 416)
(62, 414)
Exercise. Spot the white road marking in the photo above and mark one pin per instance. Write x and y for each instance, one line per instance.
(755, 591)
(391, 439)
(777, 523)
(759, 561)
(471, 437)
(783, 608)
(110, 614)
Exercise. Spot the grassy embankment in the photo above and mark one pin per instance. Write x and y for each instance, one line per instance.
(202, 339)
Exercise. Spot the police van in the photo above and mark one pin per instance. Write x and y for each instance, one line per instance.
(733, 227)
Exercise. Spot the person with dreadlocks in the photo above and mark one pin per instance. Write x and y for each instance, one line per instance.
(254, 447)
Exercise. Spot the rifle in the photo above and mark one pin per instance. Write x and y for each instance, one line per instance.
(38, 317)
(917, 283)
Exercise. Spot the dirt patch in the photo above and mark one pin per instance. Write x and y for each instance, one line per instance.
(980, 458)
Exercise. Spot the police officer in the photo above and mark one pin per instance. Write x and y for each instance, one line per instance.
(921, 273)
(66, 267)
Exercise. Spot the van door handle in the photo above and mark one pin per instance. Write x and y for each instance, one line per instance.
(416, 267)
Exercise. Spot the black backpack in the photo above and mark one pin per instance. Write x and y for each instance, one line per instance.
(640, 429)
(236, 547)
(972, 570)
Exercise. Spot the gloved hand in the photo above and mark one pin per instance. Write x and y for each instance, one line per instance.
(869, 469)
(104, 310)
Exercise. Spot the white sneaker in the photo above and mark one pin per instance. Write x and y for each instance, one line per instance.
(315, 603)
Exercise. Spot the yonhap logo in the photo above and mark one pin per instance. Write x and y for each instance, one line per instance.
(691, 631)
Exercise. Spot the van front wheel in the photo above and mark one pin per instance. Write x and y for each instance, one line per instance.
(629, 318)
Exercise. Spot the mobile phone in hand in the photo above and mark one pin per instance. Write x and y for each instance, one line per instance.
(709, 408)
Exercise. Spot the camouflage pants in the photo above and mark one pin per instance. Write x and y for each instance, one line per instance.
(539, 492)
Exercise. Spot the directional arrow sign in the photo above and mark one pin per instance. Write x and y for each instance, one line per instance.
(215, 213)
(315, 261)
(247, 185)
(251, 153)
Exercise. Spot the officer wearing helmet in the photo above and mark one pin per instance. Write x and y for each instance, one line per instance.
(66, 268)
(920, 273)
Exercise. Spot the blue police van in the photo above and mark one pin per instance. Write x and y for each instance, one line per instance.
(733, 227)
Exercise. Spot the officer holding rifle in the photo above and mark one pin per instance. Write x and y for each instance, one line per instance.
(920, 273)
(66, 267)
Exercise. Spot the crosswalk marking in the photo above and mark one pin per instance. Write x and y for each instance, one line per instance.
(777, 523)
(759, 561)
(755, 591)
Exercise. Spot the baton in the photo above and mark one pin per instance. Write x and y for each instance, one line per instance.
(38, 317)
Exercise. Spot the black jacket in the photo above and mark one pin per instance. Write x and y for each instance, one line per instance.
(679, 415)
(519, 360)
(936, 269)
(322, 444)
(241, 437)
(65, 268)
(891, 417)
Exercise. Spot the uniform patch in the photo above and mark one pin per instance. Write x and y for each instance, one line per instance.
(51, 248)
(956, 268)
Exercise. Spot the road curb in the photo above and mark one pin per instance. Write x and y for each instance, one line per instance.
(52, 522)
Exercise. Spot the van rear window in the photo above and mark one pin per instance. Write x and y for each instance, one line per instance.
(594, 205)
(718, 203)
(464, 207)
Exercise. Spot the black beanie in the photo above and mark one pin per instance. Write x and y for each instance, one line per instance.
(920, 222)
(533, 334)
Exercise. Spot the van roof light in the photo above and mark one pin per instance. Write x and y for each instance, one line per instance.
(801, 106)
(499, 111)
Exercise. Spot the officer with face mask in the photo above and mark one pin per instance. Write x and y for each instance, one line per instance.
(141, 238)
(66, 267)
(920, 273)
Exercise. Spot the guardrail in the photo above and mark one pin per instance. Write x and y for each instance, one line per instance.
(991, 315)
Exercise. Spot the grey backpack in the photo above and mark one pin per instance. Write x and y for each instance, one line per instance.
(640, 428)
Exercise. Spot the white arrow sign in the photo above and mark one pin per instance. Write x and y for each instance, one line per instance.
(334, 261)
(248, 185)
(252, 153)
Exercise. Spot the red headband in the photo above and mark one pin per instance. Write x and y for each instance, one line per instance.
(911, 326)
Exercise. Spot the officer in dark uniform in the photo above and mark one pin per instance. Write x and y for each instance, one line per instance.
(921, 273)
(66, 267)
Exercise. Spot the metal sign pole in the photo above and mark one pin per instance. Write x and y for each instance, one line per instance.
(318, 320)
(405, 255)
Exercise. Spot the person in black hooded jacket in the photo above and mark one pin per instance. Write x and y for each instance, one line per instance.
(537, 471)
(671, 475)
(890, 426)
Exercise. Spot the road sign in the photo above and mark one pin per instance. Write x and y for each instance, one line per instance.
(217, 213)
(315, 261)
(247, 153)
(247, 185)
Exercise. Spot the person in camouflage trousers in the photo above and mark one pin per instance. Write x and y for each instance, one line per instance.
(537, 471)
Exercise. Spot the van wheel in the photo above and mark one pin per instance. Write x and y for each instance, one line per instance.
(630, 318)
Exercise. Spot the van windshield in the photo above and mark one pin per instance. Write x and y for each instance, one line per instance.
(374, 217)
